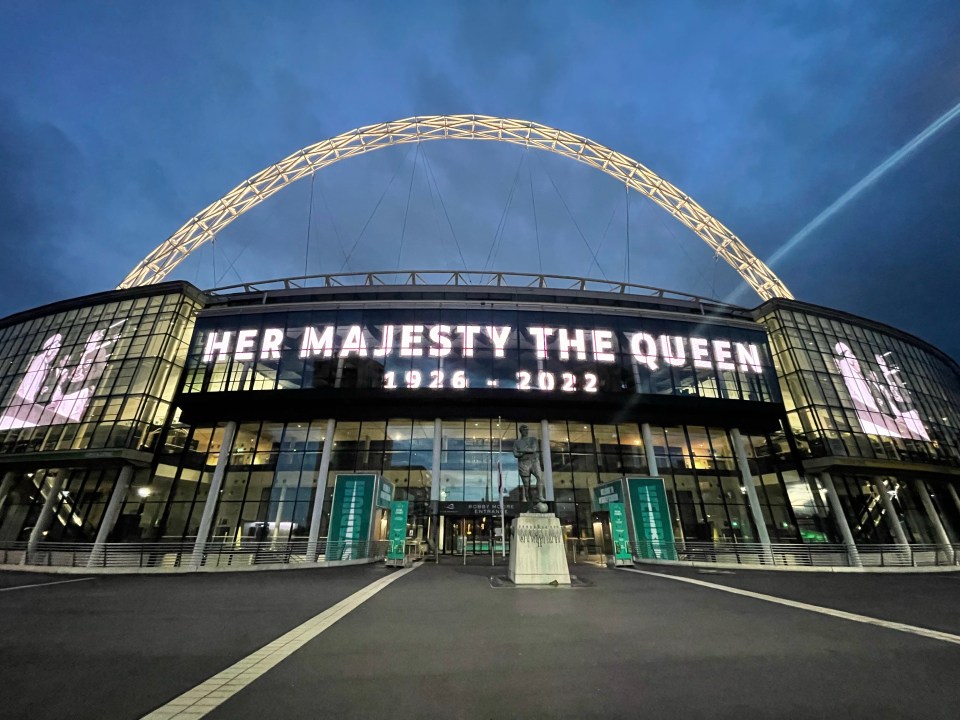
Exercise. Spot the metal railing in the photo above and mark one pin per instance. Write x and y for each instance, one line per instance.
(181, 554)
(463, 278)
(799, 554)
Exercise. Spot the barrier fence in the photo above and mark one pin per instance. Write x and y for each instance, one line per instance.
(800, 554)
(230, 555)
(181, 554)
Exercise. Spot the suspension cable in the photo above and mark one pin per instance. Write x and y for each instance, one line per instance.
(536, 224)
(575, 223)
(432, 178)
(353, 247)
(306, 253)
(503, 216)
(406, 211)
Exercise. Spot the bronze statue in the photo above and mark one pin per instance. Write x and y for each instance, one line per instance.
(526, 450)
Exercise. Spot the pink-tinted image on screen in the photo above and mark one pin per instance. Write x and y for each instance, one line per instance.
(880, 397)
(57, 385)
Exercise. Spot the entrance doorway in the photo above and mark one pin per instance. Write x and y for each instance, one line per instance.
(470, 535)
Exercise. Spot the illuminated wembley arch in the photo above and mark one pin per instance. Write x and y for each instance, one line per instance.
(309, 160)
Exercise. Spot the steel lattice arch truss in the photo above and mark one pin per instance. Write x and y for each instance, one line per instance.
(212, 219)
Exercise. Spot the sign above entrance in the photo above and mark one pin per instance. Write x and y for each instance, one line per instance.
(480, 508)
(433, 349)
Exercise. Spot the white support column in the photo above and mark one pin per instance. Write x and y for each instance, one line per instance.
(213, 495)
(110, 515)
(435, 464)
(893, 520)
(939, 530)
(5, 488)
(956, 498)
(313, 538)
(841, 520)
(547, 460)
(36, 535)
(755, 510)
(648, 450)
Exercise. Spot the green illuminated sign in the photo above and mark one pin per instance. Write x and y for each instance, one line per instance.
(608, 493)
(651, 518)
(619, 531)
(398, 529)
(350, 515)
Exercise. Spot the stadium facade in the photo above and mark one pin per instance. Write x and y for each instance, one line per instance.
(160, 412)
(785, 423)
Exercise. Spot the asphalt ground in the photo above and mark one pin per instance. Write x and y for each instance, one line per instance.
(440, 642)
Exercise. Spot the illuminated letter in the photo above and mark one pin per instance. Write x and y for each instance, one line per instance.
(748, 356)
(644, 349)
(313, 344)
(440, 337)
(270, 347)
(386, 345)
(602, 345)
(246, 339)
(355, 342)
(578, 343)
(674, 356)
(721, 353)
(410, 338)
(220, 347)
(699, 353)
(499, 337)
(541, 334)
(468, 332)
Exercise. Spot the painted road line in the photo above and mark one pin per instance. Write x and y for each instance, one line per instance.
(58, 582)
(211, 693)
(901, 627)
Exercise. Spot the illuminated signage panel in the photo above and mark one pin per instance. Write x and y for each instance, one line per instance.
(879, 394)
(59, 378)
(520, 351)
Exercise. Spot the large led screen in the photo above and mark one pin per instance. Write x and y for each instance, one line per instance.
(58, 380)
(880, 394)
(459, 350)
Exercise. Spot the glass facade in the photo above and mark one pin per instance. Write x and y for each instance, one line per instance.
(96, 376)
(854, 390)
(100, 376)
(271, 477)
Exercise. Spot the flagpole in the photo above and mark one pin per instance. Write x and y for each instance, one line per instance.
(503, 517)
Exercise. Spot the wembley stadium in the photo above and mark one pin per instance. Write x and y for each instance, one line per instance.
(163, 425)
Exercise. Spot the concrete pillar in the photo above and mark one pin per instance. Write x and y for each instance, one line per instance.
(755, 510)
(648, 450)
(36, 535)
(110, 515)
(5, 487)
(924, 492)
(893, 520)
(313, 536)
(213, 496)
(547, 460)
(841, 520)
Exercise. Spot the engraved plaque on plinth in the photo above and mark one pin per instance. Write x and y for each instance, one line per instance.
(537, 555)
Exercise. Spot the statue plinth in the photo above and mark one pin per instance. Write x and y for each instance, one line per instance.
(537, 555)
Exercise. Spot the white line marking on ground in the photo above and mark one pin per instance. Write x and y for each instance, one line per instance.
(213, 692)
(58, 582)
(902, 627)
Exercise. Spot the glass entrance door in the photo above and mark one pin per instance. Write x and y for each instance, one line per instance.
(472, 535)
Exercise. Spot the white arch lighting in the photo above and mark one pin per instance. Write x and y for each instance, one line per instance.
(216, 216)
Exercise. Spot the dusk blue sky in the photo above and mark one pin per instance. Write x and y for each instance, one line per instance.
(119, 121)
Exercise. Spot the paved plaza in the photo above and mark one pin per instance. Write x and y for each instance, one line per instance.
(443, 641)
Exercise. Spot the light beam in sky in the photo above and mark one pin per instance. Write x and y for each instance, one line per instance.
(866, 182)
